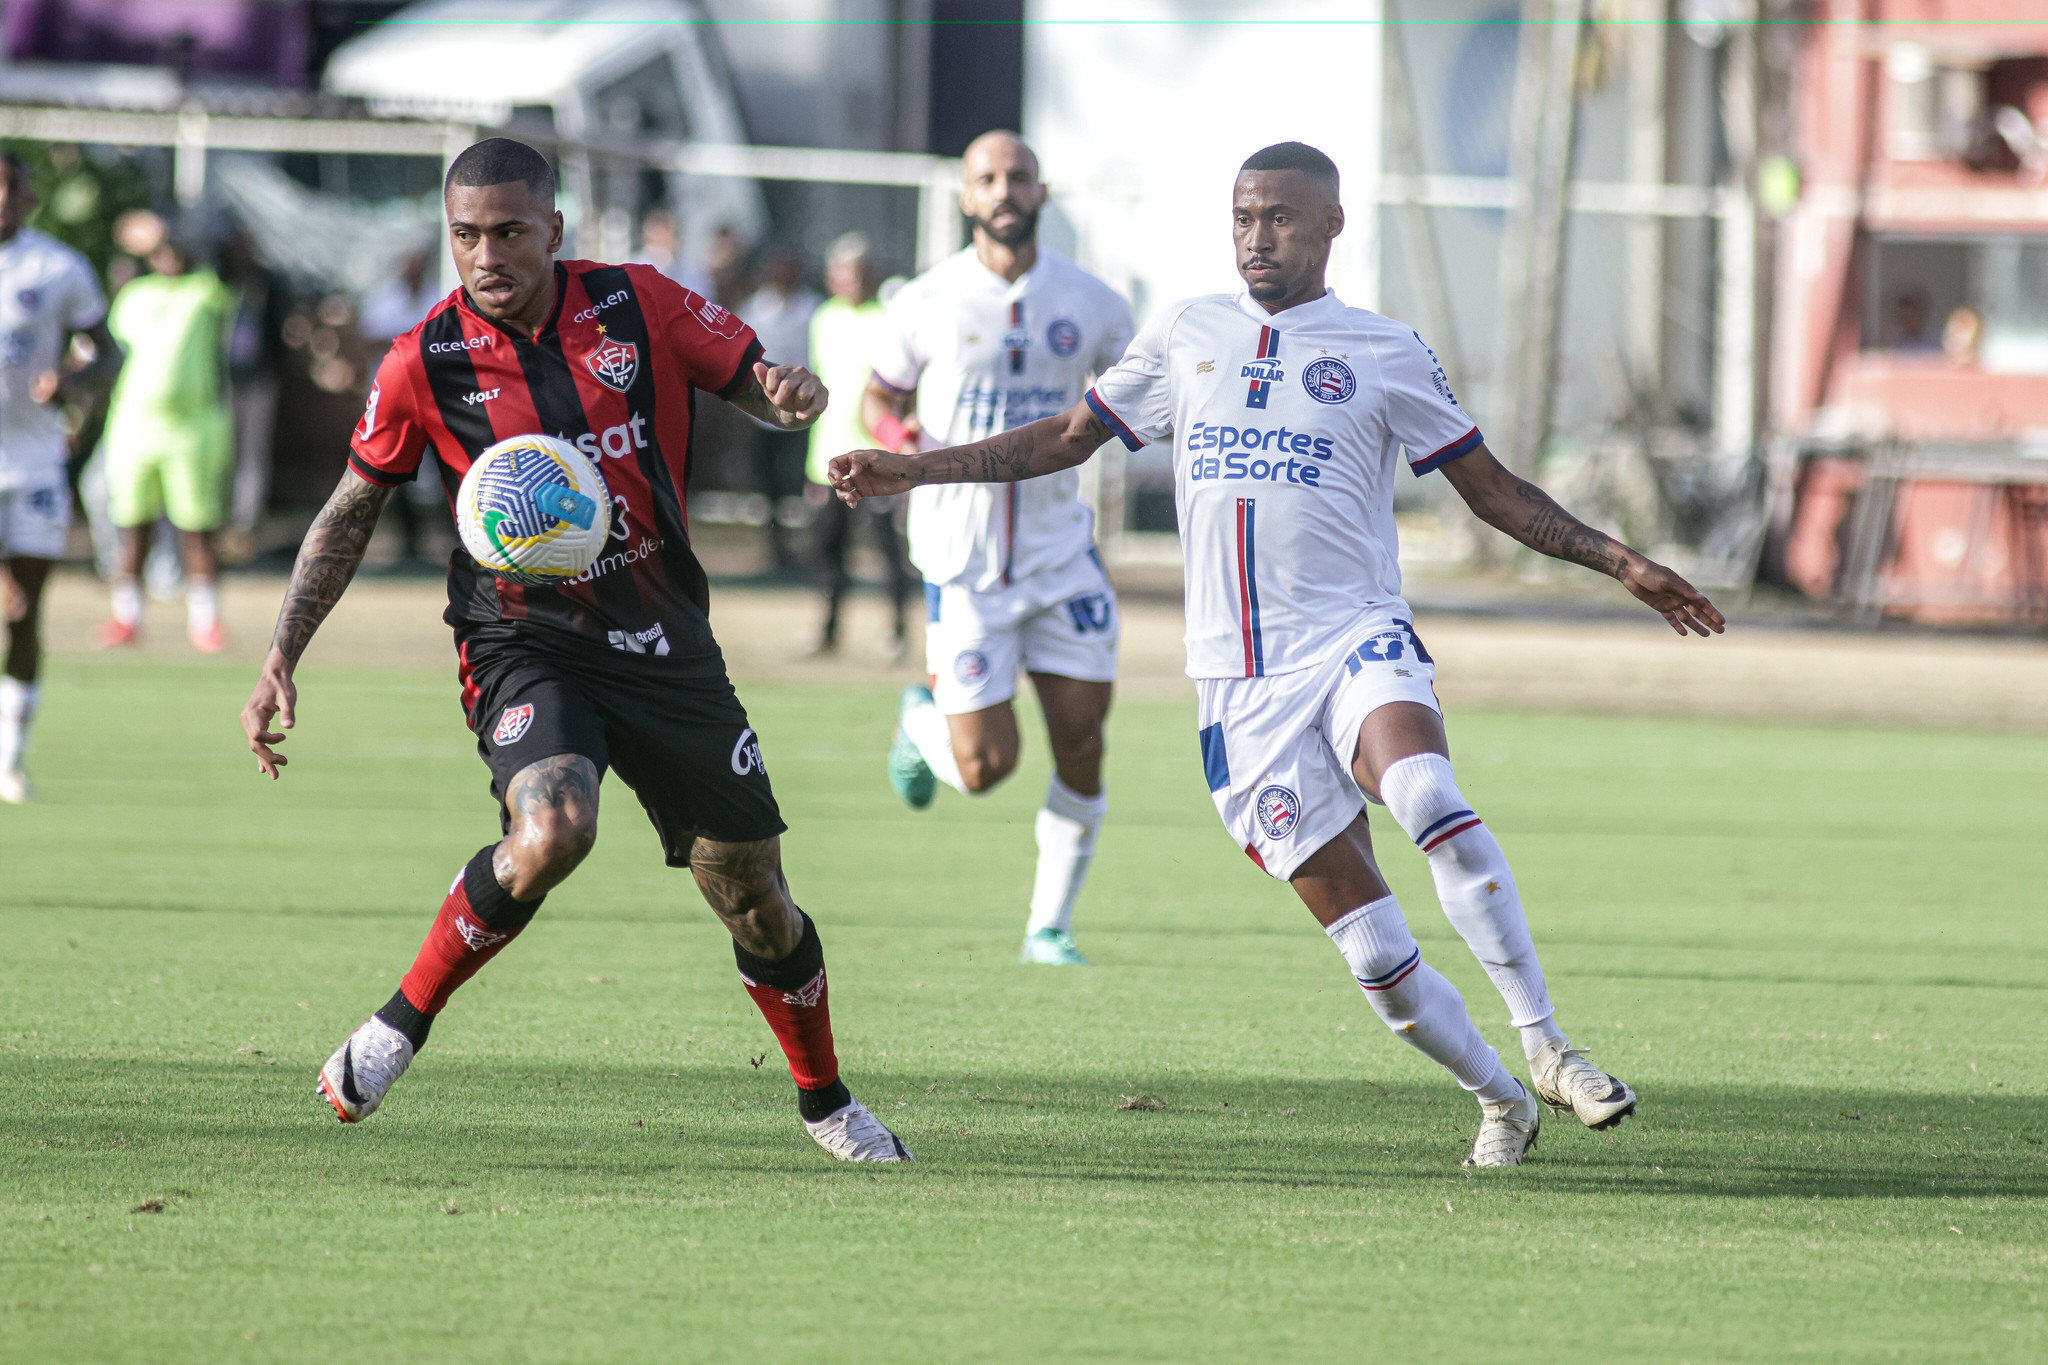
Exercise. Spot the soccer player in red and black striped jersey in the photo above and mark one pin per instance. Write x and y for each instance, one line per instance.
(615, 669)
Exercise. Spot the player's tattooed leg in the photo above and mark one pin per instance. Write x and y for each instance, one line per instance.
(744, 886)
(553, 804)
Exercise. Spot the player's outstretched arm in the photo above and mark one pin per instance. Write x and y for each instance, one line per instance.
(1036, 448)
(1527, 513)
(786, 396)
(328, 559)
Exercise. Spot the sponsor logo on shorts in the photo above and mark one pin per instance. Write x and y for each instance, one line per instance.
(1063, 336)
(1329, 380)
(1279, 811)
(746, 754)
(970, 667)
(651, 640)
(1091, 613)
(807, 994)
(476, 936)
(513, 725)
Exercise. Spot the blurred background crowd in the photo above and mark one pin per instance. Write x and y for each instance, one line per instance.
(1760, 285)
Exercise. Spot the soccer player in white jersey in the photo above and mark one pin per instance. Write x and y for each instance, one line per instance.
(1001, 335)
(1288, 412)
(47, 293)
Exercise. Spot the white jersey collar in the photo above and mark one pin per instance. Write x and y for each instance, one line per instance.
(1312, 311)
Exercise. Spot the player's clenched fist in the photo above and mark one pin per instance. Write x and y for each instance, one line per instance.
(869, 474)
(792, 389)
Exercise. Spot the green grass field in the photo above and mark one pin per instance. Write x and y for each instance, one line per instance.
(1817, 953)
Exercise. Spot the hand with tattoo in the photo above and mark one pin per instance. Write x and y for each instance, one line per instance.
(328, 559)
(1027, 452)
(785, 396)
(1529, 514)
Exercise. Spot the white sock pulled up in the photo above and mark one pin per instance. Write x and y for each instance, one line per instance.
(1475, 885)
(202, 604)
(1066, 846)
(17, 714)
(926, 726)
(127, 600)
(1422, 1008)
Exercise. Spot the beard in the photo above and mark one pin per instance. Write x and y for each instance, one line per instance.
(1268, 289)
(1017, 233)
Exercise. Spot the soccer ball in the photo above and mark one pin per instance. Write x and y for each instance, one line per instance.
(534, 509)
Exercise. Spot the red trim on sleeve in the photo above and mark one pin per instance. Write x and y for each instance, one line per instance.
(1464, 445)
(1114, 422)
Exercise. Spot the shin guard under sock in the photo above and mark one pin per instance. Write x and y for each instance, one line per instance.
(477, 920)
(1422, 1008)
(1472, 880)
(791, 994)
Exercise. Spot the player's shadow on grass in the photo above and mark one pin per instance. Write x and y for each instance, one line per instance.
(462, 1120)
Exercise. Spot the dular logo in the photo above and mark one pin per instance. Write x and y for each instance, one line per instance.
(809, 994)
(476, 936)
(480, 396)
(746, 754)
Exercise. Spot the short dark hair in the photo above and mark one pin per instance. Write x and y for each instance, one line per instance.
(1292, 156)
(500, 161)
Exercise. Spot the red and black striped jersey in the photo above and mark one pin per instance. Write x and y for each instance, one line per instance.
(615, 371)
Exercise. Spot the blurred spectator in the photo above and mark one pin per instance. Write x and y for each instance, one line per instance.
(842, 341)
(1960, 336)
(780, 314)
(391, 310)
(659, 248)
(726, 263)
(48, 295)
(168, 444)
(255, 363)
(1911, 323)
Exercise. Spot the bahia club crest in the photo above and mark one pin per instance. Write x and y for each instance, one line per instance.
(614, 363)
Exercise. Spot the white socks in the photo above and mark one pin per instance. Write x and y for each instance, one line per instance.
(127, 600)
(202, 604)
(17, 713)
(1418, 1004)
(1475, 885)
(1066, 846)
(926, 726)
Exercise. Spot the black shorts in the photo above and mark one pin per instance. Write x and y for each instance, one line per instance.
(675, 732)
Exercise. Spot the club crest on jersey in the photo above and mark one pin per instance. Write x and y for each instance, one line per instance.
(28, 299)
(614, 363)
(1264, 371)
(970, 667)
(1063, 337)
(1279, 811)
(1328, 380)
(513, 725)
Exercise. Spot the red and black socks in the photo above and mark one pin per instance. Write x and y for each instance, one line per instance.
(791, 995)
(478, 918)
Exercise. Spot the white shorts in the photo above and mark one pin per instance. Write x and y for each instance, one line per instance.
(1062, 621)
(35, 512)
(1277, 750)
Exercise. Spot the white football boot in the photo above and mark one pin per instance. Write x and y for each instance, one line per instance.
(1507, 1132)
(1568, 1083)
(359, 1074)
(15, 788)
(855, 1134)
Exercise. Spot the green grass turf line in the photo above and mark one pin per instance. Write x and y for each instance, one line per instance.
(1815, 951)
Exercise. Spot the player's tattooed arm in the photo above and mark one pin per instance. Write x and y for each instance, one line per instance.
(785, 396)
(328, 559)
(1521, 509)
(1027, 452)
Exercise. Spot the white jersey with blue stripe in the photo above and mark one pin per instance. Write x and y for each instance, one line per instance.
(984, 355)
(47, 292)
(1287, 431)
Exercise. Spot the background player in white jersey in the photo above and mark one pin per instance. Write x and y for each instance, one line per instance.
(1001, 335)
(1287, 411)
(47, 293)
